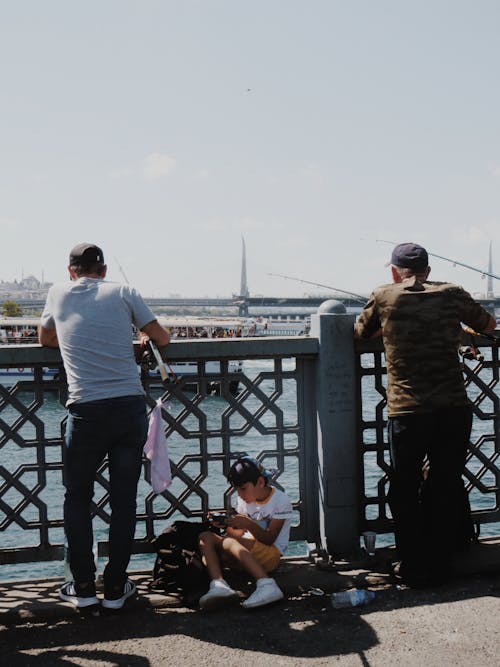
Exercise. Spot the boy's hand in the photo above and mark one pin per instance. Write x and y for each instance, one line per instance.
(218, 519)
(239, 521)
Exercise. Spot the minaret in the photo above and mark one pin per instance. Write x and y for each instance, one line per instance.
(244, 287)
(489, 284)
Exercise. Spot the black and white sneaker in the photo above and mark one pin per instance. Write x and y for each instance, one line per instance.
(114, 598)
(79, 596)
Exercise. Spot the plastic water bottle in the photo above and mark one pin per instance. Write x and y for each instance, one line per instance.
(67, 570)
(354, 598)
(68, 576)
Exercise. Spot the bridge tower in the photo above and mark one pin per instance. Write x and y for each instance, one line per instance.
(244, 293)
(243, 285)
(489, 285)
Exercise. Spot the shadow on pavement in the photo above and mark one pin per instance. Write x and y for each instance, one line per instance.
(39, 630)
(298, 628)
(304, 626)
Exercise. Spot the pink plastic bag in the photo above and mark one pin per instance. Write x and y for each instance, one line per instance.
(156, 450)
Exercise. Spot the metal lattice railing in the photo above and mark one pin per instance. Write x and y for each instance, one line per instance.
(208, 424)
(273, 415)
(482, 473)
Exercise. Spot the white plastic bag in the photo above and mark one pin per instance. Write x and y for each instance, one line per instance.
(156, 450)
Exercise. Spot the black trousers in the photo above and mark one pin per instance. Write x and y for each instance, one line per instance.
(425, 542)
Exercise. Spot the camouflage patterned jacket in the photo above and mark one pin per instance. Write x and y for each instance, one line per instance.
(421, 330)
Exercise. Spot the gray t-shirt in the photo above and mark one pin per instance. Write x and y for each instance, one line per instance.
(93, 320)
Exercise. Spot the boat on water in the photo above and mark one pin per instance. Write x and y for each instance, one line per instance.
(185, 373)
(189, 328)
(232, 327)
(10, 376)
(24, 330)
(19, 330)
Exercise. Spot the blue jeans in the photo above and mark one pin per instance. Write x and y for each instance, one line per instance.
(442, 436)
(116, 427)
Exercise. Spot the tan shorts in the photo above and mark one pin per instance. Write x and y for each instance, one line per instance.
(266, 555)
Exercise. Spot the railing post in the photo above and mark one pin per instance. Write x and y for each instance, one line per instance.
(338, 473)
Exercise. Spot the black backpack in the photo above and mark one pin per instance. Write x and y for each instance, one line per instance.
(178, 567)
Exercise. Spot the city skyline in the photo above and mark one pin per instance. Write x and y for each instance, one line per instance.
(490, 280)
(164, 131)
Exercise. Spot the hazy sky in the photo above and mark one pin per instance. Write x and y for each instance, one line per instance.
(165, 130)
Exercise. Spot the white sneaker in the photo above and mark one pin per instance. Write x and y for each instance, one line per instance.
(78, 596)
(267, 591)
(115, 598)
(219, 591)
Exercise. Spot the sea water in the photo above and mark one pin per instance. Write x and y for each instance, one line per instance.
(251, 442)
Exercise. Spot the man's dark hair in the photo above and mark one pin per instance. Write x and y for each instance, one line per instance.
(86, 269)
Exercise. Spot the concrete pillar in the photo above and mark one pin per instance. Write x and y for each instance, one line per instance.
(338, 464)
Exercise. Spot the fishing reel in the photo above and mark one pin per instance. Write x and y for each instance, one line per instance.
(471, 353)
(148, 360)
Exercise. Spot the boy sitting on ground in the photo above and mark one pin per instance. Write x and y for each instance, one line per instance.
(255, 537)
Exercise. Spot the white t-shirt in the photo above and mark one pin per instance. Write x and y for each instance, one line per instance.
(93, 320)
(276, 506)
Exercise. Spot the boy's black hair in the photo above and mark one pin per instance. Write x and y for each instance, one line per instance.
(246, 469)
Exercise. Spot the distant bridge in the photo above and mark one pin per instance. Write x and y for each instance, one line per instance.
(246, 305)
(264, 305)
(242, 305)
(260, 304)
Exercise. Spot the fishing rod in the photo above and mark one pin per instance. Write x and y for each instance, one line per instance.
(358, 297)
(452, 261)
(488, 336)
(162, 366)
(160, 363)
(121, 271)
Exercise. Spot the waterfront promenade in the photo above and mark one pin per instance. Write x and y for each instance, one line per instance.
(453, 624)
(314, 407)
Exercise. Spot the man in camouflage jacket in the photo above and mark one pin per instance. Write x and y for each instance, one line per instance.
(428, 411)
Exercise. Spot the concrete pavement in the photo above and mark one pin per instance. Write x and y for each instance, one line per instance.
(453, 624)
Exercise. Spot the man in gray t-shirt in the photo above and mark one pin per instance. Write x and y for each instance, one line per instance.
(91, 320)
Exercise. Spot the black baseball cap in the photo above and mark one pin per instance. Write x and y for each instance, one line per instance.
(86, 253)
(410, 256)
(247, 469)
